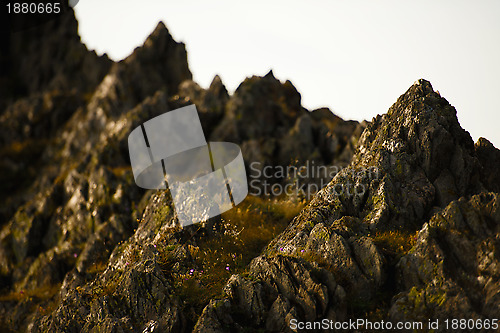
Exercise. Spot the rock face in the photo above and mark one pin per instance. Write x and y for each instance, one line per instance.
(408, 231)
(49, 74)
(453, 266)
(49, 57)
(83, 200)
(266, 118)
(70, 236)
(408, 166)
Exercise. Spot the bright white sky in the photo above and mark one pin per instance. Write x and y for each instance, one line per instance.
(355, 57)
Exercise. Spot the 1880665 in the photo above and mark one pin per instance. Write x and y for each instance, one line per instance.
(33, 8)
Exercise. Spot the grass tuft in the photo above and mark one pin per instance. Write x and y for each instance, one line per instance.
(395, 242)
(247, 229)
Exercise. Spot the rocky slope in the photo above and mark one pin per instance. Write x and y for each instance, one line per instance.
(70, 206)
(47, 74)
(346, 254)
(407, 232)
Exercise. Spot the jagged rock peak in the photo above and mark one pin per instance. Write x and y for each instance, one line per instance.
(420, 123)
(418, 91)
(160, 63)
(420, 147)
(160, 40)
(160, 27)
(270, 74)
(409, 165)
(260, 107)
(217, 84)
(159, 33)
(424, 85)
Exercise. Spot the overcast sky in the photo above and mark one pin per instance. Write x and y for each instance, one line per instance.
(355, 57)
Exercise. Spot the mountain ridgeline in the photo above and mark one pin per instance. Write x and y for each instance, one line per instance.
(83, 249)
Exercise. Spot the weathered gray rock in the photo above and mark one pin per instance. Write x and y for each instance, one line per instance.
(277, 290)
(210, 103)
(83, 249)
(453, 268)
(47, 75)
(84, 200)
(130, 293)
(50, 57)
(489, 156)
(265, 117)
(408, 164)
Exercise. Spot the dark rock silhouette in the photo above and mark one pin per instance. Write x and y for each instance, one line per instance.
(49, 74)
(406, 232)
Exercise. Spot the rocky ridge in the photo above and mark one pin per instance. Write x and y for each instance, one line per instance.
(69, 230)
(413, 164)
(406, 232)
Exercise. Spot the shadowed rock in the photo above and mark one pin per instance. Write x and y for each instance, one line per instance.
(453, 268)
(407, 232)
(410, 164)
